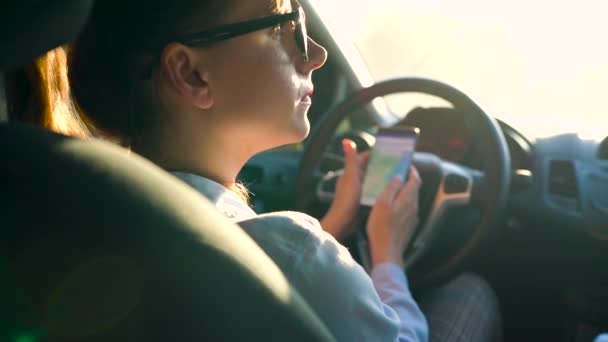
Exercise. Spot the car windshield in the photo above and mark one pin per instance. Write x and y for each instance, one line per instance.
(540, 66)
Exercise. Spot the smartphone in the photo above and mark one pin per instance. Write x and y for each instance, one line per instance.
(390, 156)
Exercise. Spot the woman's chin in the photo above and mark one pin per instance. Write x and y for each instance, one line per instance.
(296, 131)
(295, 134)
(302, 130)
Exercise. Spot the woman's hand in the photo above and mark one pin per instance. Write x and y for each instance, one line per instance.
(393, 220)
(340, 219)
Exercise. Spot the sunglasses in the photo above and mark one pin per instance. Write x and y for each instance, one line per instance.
(229, 31)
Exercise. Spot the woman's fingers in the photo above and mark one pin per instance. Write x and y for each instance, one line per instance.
(350, 156)
(409, 194)
(414, 178)
(391, 190)
(393, 220)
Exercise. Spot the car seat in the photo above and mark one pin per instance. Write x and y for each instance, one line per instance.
(101, 245)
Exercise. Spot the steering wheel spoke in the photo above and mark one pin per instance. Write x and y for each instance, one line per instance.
(455, 189)
(326, 187)
(331, 161)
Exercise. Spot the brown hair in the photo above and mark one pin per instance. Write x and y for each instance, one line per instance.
(106, 63)
(39, 93)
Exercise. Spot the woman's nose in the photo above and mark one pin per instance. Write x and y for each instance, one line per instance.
(317, 56)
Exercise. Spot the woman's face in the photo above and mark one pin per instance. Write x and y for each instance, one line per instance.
(260, 83)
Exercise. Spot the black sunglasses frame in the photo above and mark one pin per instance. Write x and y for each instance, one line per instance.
(229, 31)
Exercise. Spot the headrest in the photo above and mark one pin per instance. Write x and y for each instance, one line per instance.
(28, 28)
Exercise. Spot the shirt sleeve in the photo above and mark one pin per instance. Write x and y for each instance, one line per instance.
(601, 338)
(392, 287)
(345, 296)
(324, 273)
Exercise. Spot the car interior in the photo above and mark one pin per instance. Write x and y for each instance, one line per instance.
(527, 213)
(545, 252)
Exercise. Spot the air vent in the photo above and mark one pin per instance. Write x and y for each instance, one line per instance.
(602, 150)
(562, 179)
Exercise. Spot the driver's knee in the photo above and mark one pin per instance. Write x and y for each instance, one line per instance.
(480, 290)
(465, 308)
(483, 302)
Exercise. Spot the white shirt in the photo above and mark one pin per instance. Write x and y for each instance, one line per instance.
(352, 305)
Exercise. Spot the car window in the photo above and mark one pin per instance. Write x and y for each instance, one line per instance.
(541, 66)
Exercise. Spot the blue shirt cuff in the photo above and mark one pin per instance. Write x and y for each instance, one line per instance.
(389, 273)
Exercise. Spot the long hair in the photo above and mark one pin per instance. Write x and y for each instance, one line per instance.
(39, 94)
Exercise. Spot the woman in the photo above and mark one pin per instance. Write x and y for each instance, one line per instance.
(199, 87)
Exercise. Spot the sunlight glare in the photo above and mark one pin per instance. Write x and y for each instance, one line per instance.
(541, 66)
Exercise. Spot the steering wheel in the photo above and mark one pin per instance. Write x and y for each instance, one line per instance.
(446, 185)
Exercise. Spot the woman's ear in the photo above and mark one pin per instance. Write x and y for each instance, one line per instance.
(181, 67)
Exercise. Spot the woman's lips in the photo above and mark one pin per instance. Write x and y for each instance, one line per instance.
(307, 98)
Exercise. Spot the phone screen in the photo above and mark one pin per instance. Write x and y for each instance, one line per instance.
(391, 156)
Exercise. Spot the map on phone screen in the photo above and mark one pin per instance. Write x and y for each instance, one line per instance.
(390, 157)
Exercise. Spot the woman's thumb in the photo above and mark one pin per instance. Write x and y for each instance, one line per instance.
(350, 154)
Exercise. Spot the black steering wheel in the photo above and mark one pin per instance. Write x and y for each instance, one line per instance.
(446, 185)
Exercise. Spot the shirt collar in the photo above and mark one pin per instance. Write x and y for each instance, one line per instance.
(225, 200)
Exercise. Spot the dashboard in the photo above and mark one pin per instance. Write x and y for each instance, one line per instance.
(443, 132)
(561, 180)
(452, 136)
